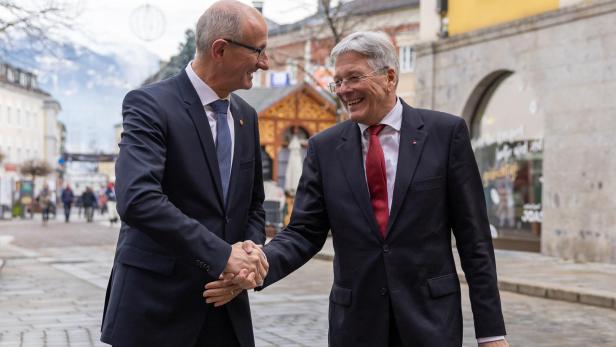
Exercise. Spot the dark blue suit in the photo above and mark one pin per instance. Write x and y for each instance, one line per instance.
(409, 274)
(176, 230)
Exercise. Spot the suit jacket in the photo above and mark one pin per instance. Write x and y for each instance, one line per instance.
(176, 230)
(411, 271)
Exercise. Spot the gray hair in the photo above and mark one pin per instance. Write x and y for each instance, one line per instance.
(375, 46)
(216, 23)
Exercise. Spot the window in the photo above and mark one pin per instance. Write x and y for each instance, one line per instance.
(292, 71)
(10, 75)
(407, 59)
(507, 136)
(23, 80)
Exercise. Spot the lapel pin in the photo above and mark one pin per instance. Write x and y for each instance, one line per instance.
(241, 122)
(414, 141)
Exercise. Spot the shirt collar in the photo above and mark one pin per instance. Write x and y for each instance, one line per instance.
(206, 94)
(393, 119)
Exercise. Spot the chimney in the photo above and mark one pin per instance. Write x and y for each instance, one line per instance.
(258, 4)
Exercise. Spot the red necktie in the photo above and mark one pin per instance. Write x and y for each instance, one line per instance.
(377, 177)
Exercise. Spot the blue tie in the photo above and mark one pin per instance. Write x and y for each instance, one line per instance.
(223, 143)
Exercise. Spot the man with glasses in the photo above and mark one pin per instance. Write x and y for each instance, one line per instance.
(189, 188)
(391, 184)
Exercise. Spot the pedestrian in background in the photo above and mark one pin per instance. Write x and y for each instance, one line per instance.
(88, 200)
(67, 198)
(44, 200)
(102, 201)
(111, 203)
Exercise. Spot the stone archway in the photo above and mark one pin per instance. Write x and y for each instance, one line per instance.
(506, 126)
(482, 91)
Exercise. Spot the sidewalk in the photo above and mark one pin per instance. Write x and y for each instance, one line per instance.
(520, 272)
(546, 277)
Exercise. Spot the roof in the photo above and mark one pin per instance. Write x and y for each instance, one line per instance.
(262, 98)
(355, 7)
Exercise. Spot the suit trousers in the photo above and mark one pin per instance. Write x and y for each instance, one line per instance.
(217, 330)
(394, 334)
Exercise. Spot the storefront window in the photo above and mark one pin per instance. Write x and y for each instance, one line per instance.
(507, 137)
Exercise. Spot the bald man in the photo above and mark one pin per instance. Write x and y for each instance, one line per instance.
(189, 188)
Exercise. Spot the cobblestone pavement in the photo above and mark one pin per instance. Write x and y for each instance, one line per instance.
(53, 296)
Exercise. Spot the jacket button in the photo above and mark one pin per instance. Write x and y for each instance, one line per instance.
(385, 248)
(383, 291)
(228, 220)
(205, 267)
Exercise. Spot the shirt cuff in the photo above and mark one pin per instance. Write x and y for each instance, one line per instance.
(490, 339)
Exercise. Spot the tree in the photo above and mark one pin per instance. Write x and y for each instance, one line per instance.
(35, 168)
(332, 22)
(186, 53)
(37, 22)
(1, 157)
(326, 28)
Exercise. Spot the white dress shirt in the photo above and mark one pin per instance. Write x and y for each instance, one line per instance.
(207, 96)
(389, 138)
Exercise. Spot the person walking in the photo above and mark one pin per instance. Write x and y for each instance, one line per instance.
(67, 198)
(111, 203)
(44, 200)
(88, 199)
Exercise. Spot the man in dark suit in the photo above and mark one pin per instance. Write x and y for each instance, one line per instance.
(391, 183)
(189, 185)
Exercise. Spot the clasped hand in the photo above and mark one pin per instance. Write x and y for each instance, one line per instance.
(246, 268)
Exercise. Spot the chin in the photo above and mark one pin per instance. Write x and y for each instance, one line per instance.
(358, 117)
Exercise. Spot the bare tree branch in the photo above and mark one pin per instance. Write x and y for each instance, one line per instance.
(39, 24)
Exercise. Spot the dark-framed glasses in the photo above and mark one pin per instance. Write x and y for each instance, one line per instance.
(354, 80)
(260, 51)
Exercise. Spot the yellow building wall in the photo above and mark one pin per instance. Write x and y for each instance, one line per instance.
(468, 15)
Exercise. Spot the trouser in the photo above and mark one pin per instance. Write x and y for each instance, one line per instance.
(217, 330)
(89, 212)
(113, 213)
(67, 212)
(45, 213)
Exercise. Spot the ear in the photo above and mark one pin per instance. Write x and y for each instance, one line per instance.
(391, 76)
(217, 49)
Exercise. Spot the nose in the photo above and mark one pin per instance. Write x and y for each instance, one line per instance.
(263, 63)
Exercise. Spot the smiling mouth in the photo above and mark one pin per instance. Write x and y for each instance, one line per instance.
(354, 102)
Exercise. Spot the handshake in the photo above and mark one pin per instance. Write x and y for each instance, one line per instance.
(246, 269)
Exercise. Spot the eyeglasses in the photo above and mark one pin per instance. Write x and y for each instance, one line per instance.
(354, 80)
(260, 51)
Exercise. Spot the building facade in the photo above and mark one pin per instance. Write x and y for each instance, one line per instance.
(535, 89)
(299, 52)
(29, 128)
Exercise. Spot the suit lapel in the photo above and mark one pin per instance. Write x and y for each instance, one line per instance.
(412, 140)
(199, 118)
(239, 138)
(349, 153)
